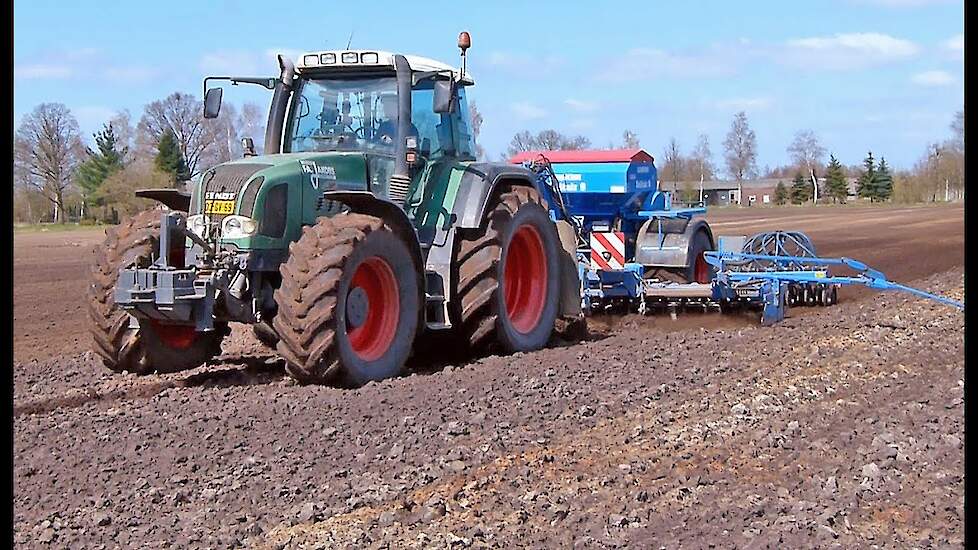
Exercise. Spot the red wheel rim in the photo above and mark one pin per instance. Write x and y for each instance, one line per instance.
(372, 339)
(525, 279)
(175, 336)
(701, 271)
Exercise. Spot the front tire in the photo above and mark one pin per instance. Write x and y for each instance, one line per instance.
(349, 302)
(153, 347)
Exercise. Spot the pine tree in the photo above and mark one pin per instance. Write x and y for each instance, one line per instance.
(100, 164)
(883, 183)
(800, 190)
(835, 181)
(780, 193)
(169, 159)
(864, 187)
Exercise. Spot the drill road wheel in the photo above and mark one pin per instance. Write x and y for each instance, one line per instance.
(349, 302)
(506, 277)
(153, 347)
(699, 270)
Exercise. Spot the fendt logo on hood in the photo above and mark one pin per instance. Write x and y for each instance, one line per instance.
(319, 174)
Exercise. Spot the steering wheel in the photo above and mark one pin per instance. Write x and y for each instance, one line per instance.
(338, 132)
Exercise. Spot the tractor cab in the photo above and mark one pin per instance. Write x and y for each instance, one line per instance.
(398, 112)
(351, 101)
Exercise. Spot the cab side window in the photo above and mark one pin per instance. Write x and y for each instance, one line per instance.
(445, 133)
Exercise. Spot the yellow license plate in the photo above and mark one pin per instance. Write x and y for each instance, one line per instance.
(218, 207)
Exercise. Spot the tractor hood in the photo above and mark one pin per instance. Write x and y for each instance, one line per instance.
(281, 192)
(244, 180)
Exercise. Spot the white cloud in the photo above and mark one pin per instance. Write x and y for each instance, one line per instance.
(522, 63)
(92, 117)
(847, 51)
(271, 54)
(933, 78)
(245, 62)
(582, 124)
(527, 111)
(229, 62)
(42, 71)
(80, 64)
(131, 74)
(955, 45)
(580, 105)
(645, 63)
(743, 103)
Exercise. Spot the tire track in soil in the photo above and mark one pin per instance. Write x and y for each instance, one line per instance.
(227, 371)
(559, 466)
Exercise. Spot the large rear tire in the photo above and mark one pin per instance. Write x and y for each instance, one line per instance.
(349, 302)
(153, 347)
(507, 275)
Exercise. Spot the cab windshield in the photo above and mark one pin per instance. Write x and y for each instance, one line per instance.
(348, 114)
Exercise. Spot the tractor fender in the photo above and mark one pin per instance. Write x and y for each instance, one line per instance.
(364, 202)
(670, 249)
(477, 186)
(570, 278)
(174, 199)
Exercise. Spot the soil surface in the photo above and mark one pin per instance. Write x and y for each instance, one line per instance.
(840, 427)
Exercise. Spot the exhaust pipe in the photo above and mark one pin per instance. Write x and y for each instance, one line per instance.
(280, 103)
(404, 83)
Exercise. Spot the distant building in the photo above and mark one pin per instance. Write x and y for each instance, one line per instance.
(757, 192)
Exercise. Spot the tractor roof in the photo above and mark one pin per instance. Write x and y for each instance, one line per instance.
(371, 58)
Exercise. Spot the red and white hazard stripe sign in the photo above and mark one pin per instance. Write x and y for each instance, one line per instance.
(608, 250)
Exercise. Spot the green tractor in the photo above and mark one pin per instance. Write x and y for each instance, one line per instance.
(366, 223)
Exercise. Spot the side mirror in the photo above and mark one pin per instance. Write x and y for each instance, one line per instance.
(444, 97)
(212, 102)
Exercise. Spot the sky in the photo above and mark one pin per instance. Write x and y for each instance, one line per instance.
(880, 75)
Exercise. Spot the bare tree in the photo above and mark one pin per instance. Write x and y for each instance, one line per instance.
(226, 145)
(957, 126)
(629, 140)
(740, 152)
(546, 140)
(118, 192)
(251, 123)
(701, 160)
(550, 140)
(47, 150)
(183, 115)
(575, 143)
(673, 162)
(522, 141)
(806, 151)
(125, 134)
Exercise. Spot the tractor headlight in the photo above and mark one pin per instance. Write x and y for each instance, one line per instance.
(198, 224)
(235, 227)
